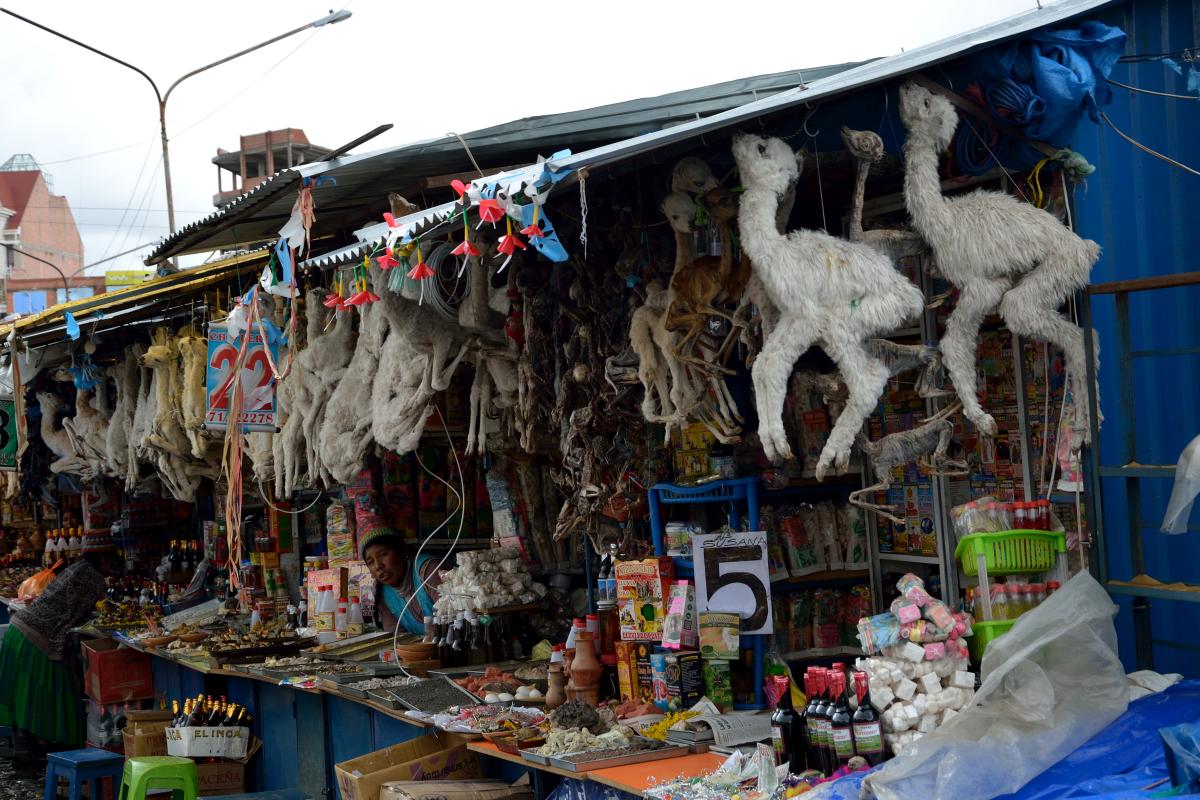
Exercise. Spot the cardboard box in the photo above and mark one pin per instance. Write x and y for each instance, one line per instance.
(221, 778)
(626, 670)
(643, 672)
(685, 680)
(680, 630)
(194, 742)
(144, 744)
(642, 591)
(720, 634)
(226, 776)
(434, 757)
(150, 720)
(453, 790)
(116, 674)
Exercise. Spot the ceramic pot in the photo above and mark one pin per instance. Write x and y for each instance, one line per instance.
(555, 696)
(585, 669)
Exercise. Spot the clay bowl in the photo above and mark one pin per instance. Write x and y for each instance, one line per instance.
(156, 641)
(415, 652)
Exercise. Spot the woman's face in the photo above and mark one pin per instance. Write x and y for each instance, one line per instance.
(386, 564)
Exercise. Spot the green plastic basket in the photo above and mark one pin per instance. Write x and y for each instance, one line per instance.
(985, 633)
(1009, 552)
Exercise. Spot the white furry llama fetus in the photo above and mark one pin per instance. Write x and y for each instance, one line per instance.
(997, 250)
(826, 289)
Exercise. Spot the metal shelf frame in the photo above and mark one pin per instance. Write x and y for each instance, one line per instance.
(1130, 471)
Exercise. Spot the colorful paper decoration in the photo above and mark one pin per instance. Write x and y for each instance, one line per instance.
(509, 244)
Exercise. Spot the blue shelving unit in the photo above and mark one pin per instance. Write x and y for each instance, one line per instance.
(733, 492)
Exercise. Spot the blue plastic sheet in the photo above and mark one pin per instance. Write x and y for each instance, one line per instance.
(1115, 764)
(1042, 84)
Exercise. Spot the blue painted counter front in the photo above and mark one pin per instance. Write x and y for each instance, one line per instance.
(303, 733)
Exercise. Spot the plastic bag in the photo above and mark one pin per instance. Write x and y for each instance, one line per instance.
(1181, 746)
(32, 587)
(1049, 685)
(1187, 486)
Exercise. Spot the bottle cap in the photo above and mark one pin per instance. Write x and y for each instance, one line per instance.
(594, 616)
(1054, 585)
(353, 600)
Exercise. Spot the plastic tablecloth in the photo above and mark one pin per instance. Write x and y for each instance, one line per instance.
(1115, 764)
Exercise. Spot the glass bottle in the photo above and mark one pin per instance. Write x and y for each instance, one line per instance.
(840, 722)
(868, 735)
(824, 731)
(812, 690)
(782, 727)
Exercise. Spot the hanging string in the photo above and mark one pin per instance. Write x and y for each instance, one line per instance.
(583, 212)
(820, 188)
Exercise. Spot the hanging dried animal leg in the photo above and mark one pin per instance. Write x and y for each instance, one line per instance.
(886, 511)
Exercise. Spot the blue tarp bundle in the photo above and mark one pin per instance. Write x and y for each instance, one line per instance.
(1042, 84)
(1115, 764)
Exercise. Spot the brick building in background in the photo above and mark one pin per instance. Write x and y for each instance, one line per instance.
(39, 222)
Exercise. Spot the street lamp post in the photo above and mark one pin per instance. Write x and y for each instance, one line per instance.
(331, 18)
(51, 265)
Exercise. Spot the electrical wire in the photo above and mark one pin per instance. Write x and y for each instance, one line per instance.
(292, 511)
(461, 511)
(1146, 149)
(132, 194)
(1151, 91)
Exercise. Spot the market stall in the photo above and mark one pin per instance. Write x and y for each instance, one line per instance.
(589, 472)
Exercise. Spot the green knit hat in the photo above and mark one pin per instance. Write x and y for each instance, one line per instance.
(378, 535)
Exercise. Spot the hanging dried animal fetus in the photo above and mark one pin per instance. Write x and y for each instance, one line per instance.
(926, 444)
(867, 148)
(997, 251)
(827, 290)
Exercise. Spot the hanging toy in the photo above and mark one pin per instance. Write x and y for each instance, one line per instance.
(533, 230)
(509, 244)
(489, 211)
(420, 272)
(364, 296)
(465, 249)
(387, 260)
(334, 299)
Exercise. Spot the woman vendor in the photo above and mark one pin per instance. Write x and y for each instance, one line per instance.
(399, 593)
(39, 698)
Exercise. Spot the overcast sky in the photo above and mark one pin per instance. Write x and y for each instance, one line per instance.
(427, 67)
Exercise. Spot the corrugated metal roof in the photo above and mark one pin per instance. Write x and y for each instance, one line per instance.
(258, 214)
(117, 306)
(820, 89)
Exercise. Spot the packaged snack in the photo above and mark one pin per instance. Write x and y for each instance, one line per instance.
(718, 686)
(679, 628)
(720, 634)
(801, 618)
(852, 521)
(828, 618)
(797, 535)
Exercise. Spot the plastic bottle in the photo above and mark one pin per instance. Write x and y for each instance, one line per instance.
(576, 627)
(354, 619)
(48, 555)
(999, 602)
(1039, 594)
(255, 617)
(1052, 587)
(302, 613)
(326, 610)
(340, 618)
(75, 545)
(592, 625)
(1016, 601)
(1030, 600)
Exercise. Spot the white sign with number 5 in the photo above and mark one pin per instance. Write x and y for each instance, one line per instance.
(732, 576)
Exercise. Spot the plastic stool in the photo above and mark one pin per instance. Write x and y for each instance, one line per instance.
(79, 767)
(159, 772)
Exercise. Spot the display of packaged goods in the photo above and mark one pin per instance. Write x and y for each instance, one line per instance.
(642, 591)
